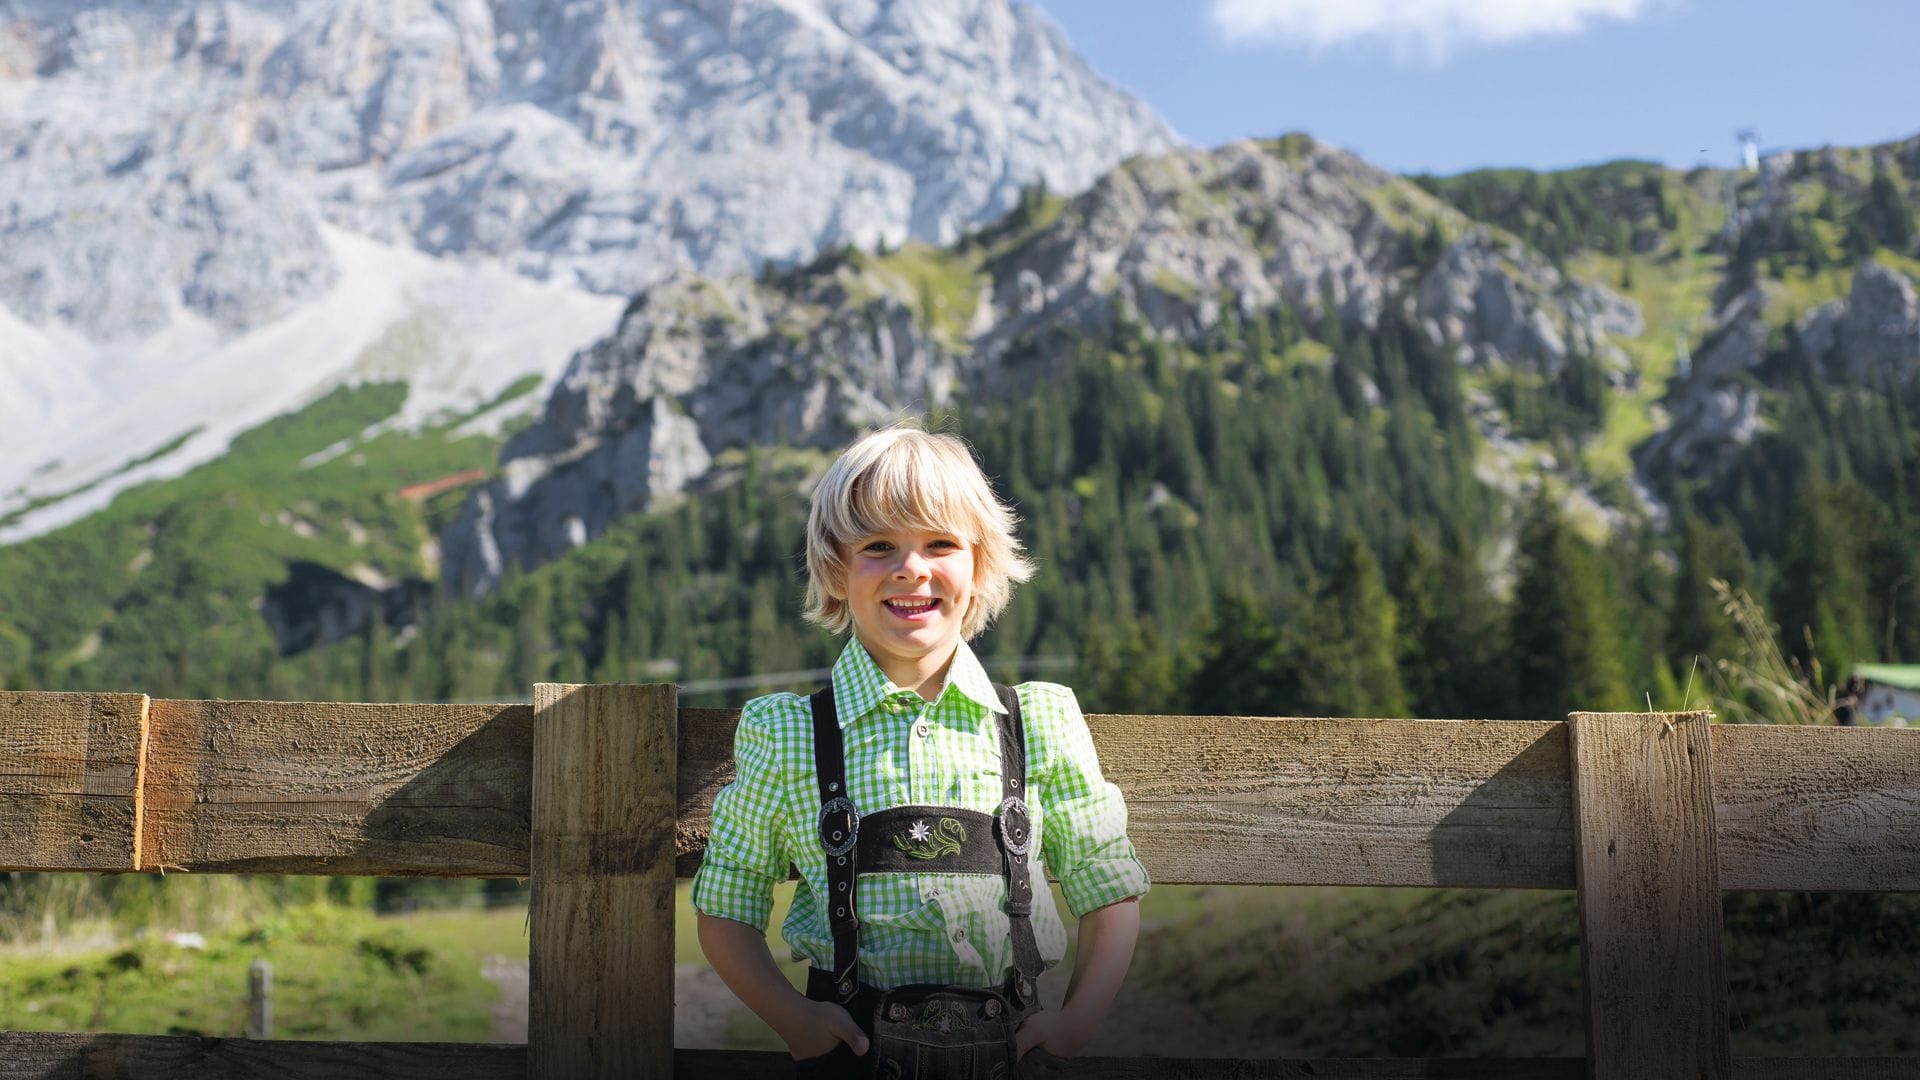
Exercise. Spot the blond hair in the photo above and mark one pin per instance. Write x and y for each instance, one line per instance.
(903, 477)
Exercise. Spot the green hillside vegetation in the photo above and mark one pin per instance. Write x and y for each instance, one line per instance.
(1482, 973)
(338, 973)
(159, 591)
(1195, 505)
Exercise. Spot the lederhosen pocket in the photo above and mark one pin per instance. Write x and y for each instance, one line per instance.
(927, 1031)
(930, 1032)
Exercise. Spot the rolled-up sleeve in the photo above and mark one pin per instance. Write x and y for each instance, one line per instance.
(1083, 817)
(745, 854)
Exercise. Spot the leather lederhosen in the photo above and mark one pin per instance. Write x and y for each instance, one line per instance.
(925, 1031)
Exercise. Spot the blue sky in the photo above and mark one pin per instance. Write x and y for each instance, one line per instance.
(1449, 85)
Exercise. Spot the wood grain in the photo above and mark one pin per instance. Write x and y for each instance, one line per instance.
(34, 1055)
(601, 923)
(278, 787)
(311, 788)
(70, 780)
(1651, 942)
(1292, 801)
(1817, 809)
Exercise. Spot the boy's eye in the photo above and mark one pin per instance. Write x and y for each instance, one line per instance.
(878, 546)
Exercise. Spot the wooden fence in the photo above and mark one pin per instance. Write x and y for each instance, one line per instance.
(602, 795)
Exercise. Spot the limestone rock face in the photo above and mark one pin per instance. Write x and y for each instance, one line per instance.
(174, 157)
(1170, 244)
(695, 367)
(1738, 342)
(1876, 329)
(1502, 303)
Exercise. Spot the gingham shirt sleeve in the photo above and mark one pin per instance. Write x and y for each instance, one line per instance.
(745, 853)
(1083, 817)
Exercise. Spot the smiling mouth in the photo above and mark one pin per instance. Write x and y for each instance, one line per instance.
(917, 607)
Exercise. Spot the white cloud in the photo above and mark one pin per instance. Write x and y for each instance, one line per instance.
(1412, 28)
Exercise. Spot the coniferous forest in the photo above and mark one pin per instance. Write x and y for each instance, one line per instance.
(1275, 514)
(1284, 520)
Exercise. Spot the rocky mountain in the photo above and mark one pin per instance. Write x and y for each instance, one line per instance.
(1868, 335)
(1169, 245)
(175, 172)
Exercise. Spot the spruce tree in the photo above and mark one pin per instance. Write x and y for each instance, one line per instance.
(1822, 600)
(1240, 663)
(1347, 663)
(1696, 627)
(1565, 645)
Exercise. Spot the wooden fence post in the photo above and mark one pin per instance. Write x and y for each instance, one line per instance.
(260, 1000)
(601, 936)
(1648, 876)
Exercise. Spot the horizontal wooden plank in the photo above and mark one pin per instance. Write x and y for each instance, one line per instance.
(1291, 801)
(308, 788)
(63, 1056)
(760, 1065)
(278, 787)
(33, 1055)
(1817, 809)
(1234, 799)
(69, 780)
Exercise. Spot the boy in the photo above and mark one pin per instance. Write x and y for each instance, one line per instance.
(915, 798)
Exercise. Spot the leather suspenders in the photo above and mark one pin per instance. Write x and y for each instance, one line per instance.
(839, 830)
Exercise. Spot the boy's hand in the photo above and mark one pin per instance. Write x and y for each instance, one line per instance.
(1055, 1032)
(831, 1025)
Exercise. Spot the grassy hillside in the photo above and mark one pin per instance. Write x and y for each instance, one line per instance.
(338, 973)
(160, 592)
(1330, 971)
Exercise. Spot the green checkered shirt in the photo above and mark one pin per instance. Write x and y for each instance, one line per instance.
(901, 749)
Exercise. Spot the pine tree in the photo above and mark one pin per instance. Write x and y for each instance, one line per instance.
(1696, 627)
(1565, 633)
(1822, 599)
(1347, 663)
(1240, 663)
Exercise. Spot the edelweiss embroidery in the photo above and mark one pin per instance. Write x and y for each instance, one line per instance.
(920, 842)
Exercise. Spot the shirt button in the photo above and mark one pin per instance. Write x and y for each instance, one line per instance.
(960, 935)
(922, 729)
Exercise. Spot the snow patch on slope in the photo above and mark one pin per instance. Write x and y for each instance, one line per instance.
(73, 412)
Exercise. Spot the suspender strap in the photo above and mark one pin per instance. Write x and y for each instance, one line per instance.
(1016, 841)
(839, 829)
(839, 834)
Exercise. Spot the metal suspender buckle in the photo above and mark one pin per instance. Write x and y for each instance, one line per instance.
(839, 825)
(1016, 828)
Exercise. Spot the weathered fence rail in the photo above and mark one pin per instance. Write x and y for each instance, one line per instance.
(1650, 817)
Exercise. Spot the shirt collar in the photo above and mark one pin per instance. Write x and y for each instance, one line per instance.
(859, 685)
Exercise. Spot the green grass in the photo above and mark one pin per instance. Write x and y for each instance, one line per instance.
(338, 973)
(1673, 287)
(1483, 973)
(941, 284)
(1338, 971)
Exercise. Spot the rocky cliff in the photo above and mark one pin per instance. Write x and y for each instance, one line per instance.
(1168, 243)
(176, 156)
(199, 191)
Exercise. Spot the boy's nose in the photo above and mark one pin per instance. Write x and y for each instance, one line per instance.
(912, 565)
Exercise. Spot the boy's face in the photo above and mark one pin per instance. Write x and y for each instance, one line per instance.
(908, 591)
